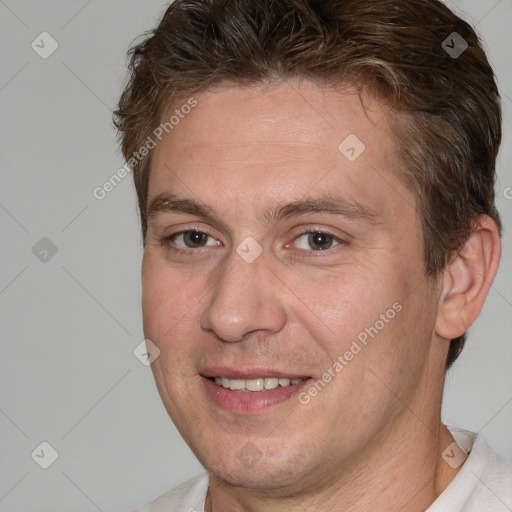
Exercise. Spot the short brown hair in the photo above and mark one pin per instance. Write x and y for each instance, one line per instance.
(447, 106)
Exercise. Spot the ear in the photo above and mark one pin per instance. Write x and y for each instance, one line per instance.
(468, 278)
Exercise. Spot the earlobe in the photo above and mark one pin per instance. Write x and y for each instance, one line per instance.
(468, 278)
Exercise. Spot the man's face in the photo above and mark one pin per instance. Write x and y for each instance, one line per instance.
(274, 245)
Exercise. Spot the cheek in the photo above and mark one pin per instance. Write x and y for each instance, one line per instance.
(169, 305)
(346, 301)
(170, 299)
(363, 315)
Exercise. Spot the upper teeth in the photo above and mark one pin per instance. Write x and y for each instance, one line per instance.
(254, 384)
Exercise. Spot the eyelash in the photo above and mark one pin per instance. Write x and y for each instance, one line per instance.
(167, 240)
(178, 250)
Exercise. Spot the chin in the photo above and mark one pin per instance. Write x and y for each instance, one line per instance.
(264, 478)
(250, 468)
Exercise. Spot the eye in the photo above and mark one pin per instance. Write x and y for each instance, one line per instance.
(316, 240)
(192, 239)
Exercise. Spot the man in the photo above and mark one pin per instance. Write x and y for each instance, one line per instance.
(315, 182)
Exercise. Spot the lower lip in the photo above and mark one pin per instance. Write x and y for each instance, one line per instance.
(251, 401)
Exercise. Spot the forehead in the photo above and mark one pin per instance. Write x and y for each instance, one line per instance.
(265, 144)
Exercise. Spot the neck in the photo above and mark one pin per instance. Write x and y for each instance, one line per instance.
(405, 472)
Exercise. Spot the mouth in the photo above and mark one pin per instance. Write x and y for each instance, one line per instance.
(251, 391)
(256, 384)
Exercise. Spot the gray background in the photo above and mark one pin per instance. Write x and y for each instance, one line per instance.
(70, 324)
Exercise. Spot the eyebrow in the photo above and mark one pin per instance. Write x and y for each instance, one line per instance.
(326, 203)
(171, 204)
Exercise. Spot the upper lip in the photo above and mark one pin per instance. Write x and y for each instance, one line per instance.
(249, 373)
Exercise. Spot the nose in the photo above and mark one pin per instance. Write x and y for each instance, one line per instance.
(245, 300)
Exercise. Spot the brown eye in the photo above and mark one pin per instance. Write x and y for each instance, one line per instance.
(193, 239)
(320, 241)
(316, 241)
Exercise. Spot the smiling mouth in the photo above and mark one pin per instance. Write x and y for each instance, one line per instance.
(256, 385)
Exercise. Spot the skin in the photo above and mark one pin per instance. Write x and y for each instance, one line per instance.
(374, 433)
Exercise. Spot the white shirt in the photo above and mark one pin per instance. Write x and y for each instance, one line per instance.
(484, 484)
